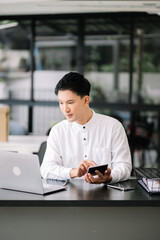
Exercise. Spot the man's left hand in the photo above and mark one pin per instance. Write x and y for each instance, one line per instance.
(99, 178)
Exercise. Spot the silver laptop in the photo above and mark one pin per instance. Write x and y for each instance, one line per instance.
(21, 172)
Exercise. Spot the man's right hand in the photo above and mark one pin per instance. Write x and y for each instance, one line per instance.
(81, 170)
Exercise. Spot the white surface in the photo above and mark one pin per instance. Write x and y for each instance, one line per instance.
(20, 7)
(23, 144)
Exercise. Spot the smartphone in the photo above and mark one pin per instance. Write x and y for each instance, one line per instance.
(100, 168)
(123, 186)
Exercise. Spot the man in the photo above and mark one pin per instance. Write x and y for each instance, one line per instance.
(85, 138)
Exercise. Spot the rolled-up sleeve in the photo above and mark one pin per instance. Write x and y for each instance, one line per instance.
(121, 157)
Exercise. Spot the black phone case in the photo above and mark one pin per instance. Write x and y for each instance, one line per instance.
(100, 168)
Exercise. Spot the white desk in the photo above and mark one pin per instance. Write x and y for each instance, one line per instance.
(23, 144)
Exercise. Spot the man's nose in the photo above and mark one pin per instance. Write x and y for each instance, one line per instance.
(66, 108)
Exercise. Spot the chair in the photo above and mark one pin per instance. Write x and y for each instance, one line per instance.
(143, 132)
(41, 151)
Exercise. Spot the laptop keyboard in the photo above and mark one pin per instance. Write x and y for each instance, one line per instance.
(148, 172)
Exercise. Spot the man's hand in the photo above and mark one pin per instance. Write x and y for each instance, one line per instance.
(81, 170)
(99, 178)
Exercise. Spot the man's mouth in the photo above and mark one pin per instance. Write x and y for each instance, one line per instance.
(68, 115)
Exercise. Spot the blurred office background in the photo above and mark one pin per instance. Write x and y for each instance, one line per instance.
(115, 44)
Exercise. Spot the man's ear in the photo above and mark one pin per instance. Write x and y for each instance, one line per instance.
(86, 100)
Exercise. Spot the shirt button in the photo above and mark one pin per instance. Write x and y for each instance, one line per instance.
(85, 156)
(84, 139)
(84, 127)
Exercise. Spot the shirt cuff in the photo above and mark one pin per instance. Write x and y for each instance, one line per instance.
(66, 173)
(115, 178)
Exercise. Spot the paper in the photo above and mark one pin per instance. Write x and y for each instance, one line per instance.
(152, 184)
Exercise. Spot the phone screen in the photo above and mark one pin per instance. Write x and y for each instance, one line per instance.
(100, 168)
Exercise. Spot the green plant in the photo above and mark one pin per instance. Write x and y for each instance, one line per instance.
(97, 93)
(148, 63)
(106, 68)
(1, 79)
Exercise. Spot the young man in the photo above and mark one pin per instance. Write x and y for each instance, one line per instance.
(85, 138)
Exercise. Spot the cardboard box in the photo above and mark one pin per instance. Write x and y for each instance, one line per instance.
(4, 123)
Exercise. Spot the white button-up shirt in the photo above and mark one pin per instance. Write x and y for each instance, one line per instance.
(102, 140)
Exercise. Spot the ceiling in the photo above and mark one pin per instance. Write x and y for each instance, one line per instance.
(36, 7)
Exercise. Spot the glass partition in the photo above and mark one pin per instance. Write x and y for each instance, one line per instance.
(107, 47)
(55, 54)
(15, 75)
(147, 61)
(15, 58)
(35, 53)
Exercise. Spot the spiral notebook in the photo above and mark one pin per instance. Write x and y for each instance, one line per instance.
(150, 179)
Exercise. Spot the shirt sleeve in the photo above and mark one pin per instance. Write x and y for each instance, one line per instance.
(121, 158)
(52, 167)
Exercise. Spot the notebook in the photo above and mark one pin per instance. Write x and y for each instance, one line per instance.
(150, 179)
(21, 172)
(152, 186)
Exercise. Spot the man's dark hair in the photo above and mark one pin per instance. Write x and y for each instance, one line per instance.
(75, 82)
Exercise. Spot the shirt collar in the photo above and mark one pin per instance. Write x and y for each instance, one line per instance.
(88, 124)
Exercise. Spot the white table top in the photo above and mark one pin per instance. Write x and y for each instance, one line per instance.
(25, 144)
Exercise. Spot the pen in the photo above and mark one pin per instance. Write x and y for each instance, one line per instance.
(65, 183)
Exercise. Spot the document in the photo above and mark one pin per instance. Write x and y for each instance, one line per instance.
(152, 184)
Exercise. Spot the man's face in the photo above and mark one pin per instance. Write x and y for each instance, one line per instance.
(73, 106)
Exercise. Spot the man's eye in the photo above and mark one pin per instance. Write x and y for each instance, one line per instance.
(70, 102)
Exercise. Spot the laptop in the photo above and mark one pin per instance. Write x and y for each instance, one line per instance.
(21, 172)
(148, 172)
